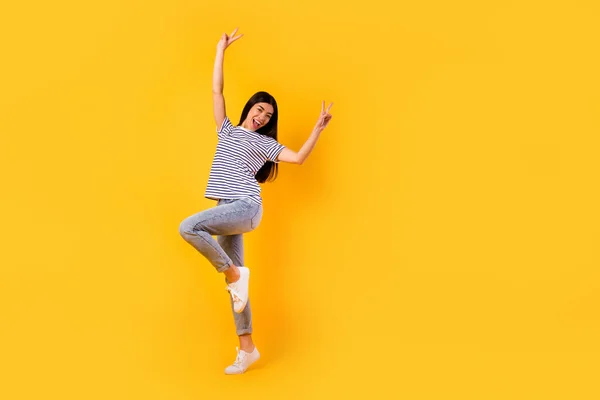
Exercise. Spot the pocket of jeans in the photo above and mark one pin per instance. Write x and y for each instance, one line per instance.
(257, 218)
(247, 201)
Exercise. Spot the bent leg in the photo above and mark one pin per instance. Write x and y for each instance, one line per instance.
(227, 219)
(233, 245)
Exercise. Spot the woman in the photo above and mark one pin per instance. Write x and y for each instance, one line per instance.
(246, 155)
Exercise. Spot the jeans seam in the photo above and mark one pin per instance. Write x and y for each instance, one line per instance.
(217, 250)
(252, 219)
(220, 215)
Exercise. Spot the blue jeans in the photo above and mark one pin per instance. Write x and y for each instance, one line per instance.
(228, 221)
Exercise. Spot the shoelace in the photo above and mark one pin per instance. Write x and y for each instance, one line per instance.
(239, 360)
(234, 294)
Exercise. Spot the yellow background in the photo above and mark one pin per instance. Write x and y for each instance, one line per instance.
(442, 241)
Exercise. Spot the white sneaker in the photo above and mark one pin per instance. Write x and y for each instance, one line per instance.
(239, 290)
(242, 361)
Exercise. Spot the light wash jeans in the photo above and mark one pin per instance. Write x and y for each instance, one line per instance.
(228, 220)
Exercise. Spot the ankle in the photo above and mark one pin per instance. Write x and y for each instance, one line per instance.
(232, 274)
(246, 343)
(248, 349)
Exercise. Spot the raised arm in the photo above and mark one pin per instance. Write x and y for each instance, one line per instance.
(291, 156)
(217, 89)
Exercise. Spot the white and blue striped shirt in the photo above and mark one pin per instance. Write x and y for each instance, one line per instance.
(240, 154)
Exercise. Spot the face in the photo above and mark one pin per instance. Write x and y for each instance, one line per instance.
(258, 116)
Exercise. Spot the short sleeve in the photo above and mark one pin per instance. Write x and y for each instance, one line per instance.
(272, 149)
(225, 128)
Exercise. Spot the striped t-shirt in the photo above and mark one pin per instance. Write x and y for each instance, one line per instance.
(240, 154)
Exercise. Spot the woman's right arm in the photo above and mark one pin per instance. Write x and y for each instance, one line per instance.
(217, 89)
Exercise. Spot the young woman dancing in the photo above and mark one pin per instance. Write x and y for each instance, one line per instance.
(246, 155)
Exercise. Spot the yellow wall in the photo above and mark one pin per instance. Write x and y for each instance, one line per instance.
(441, 242)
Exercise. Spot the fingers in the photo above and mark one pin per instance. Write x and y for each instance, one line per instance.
(228, 39)
(325, 116)
(323, 107)
(232, 38)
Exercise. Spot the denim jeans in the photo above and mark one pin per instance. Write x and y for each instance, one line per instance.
(228, 221)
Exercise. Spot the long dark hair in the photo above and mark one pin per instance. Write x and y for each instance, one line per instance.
(268, 172)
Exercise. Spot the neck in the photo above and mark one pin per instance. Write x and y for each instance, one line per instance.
(245, 125)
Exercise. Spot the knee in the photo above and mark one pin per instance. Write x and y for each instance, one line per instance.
(190, 226)
(185, 228)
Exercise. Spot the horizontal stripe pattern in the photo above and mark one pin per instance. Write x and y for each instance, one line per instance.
(239, 155)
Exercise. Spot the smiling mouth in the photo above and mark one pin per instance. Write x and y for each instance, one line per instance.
(255, 123)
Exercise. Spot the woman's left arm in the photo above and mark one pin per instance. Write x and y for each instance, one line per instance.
(290, 156)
